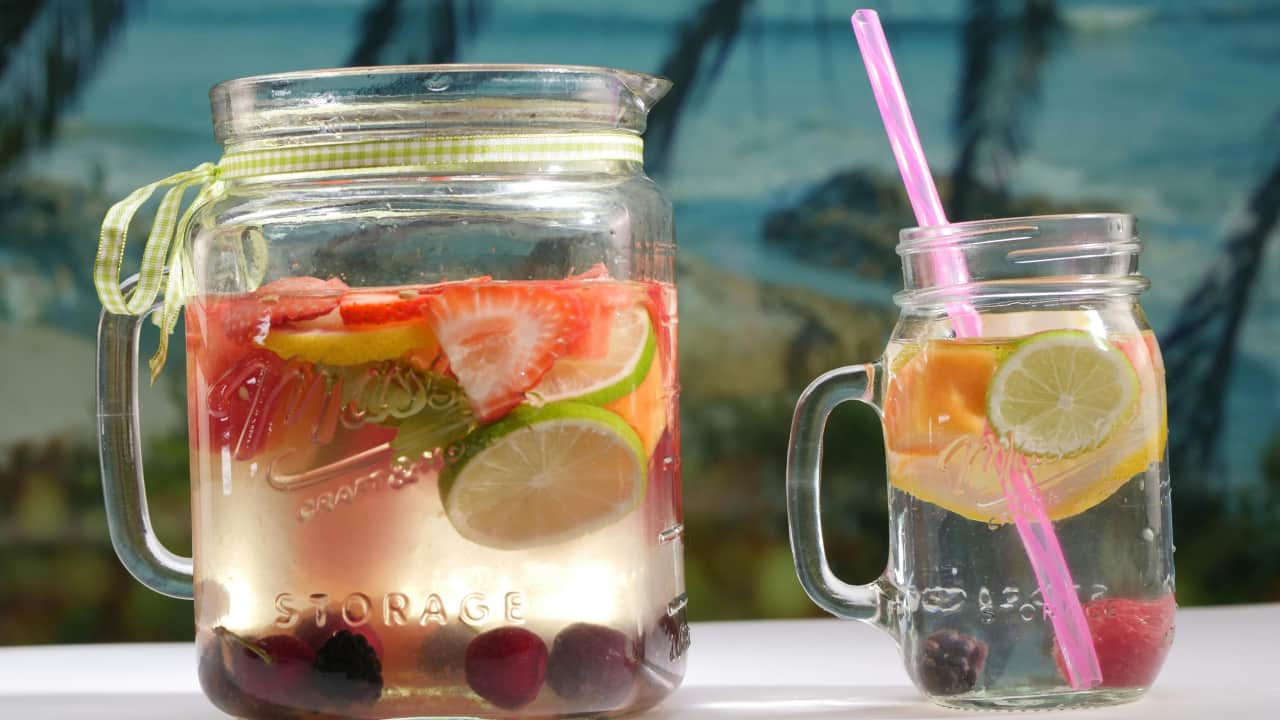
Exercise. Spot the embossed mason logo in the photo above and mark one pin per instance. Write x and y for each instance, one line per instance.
(398, 609)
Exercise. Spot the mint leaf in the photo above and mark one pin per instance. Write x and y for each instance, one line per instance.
(445, 417)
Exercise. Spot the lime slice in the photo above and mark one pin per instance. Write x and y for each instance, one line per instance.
(545, 475)
(604, 379)
(1061, 393)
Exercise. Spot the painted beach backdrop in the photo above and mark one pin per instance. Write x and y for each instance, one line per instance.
(787, 209)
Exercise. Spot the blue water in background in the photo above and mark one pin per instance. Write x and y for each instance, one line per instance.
(1167, 109)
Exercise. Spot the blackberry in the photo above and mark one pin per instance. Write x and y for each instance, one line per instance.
(350, 671)
(950, 662)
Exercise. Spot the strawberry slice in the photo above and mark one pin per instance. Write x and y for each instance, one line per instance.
(391, 305)
(381, 308)
(595, 272)
(279, 302)
(501, 338)
(601, 303)
(1131, 638)
(300, 298)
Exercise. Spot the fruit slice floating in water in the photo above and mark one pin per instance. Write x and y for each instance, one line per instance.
(1061, 393)
(368, 306)
(645, 408)
(938, 395)
(279, 302)
(1131, 638)
(501, 339)
(327, 341)
(380, 308)
(545, 475)
(601, 304)
(601, 379)
(931, 396)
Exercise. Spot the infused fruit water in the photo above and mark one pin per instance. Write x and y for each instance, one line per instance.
(449, 499)
(1086, 409)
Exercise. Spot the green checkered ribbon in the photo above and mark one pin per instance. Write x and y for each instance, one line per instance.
(164, 261)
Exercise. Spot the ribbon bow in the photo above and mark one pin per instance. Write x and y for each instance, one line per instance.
(424, 155)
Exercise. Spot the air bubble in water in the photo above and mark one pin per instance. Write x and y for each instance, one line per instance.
(1148, 534)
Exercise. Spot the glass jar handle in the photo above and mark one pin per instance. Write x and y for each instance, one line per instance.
(871, 602)
(120, 455)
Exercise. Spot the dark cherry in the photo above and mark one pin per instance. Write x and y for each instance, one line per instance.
(592, 664)
(273, 668)
(506, 666)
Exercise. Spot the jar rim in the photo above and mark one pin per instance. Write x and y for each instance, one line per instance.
(1032, 258)
(432, 98)
(365, 70)
(1120, 227)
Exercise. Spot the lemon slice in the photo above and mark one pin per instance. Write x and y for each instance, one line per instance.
(351, 347)
(601, 380)
(1061, 393)
(542, 476)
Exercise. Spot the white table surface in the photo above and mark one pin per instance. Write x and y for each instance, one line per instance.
(1225, 663)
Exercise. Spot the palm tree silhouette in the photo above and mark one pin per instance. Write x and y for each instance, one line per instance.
(397, 33)
(1201, 348)
(999, 84)
(710, 31)
(48, 51)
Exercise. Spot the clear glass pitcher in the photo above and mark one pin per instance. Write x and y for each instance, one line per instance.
(430, 331)
(1063, 388)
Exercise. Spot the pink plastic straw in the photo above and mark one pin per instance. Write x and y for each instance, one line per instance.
(1061, 601)
(948, 262)
(1052, 574)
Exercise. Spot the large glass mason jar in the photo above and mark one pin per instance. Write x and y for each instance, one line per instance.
(1030, 550)
(430, 335)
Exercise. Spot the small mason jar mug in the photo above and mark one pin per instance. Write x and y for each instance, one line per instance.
(1040, 436)
(430, 324)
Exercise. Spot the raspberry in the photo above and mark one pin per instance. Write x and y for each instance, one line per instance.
(950, 662)
(1131, 638)
(350, 668)
(506, 666)
(592, 664)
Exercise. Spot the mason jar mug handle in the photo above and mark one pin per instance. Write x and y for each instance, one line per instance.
(120, 456)
(874, 601)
